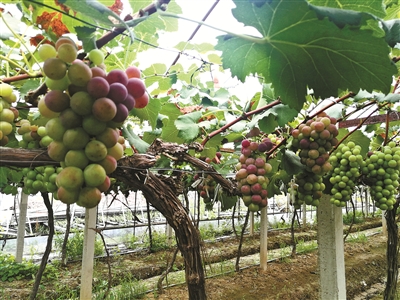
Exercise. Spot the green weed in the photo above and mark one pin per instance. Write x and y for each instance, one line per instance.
(75, 243)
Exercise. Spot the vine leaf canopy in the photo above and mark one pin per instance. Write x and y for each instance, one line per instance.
(304, 46)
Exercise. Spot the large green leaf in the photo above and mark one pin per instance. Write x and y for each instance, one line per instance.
(150, 112)
(291, 163)
(188, 125)
(374, 7)
(169, 131)
(392, 30)
(93, 9)
(148, 31)
(298, 50)
(393, 10)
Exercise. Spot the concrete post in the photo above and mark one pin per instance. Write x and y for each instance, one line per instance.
(263, 239)
(330, 251)
(23, 208)
(88, 253)
(384, 224)
(251, 223)
(168, 229)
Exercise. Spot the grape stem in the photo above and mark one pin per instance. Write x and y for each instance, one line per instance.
(244, 116)
(357, 127)
(16, 65)
(348, 95)
(396, 85)
(357, 110)
(18, 37)
(148, 10)
(194, 32)
(387, 128)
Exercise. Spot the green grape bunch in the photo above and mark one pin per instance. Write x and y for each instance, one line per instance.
(347, 162)
(40, 179)
(8, 113)
(307, 188)
(381, 174)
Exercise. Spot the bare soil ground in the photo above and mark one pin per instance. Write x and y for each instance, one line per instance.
(293, 278)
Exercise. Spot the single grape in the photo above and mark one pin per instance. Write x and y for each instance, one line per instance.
(96, 56)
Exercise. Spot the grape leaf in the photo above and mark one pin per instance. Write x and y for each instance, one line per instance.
(87, 36)
(149, 112)
(357, 137)
(374, 7)
(15, 176)
(392, 30)
(148, 31)
(169, 130)
(291, 163)
(268, 123)
(298, 50)
(227, 201)
(134, 140)
(188, 125)
(3, 176)
(10, 190)
(92, 9)
(392, 10)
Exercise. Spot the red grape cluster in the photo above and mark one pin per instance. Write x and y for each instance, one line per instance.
(314, 140)
(251, 173)
(86, 106)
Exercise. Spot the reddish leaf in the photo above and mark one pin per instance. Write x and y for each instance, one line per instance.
(117, 7)
(52, 22)
(39, 38)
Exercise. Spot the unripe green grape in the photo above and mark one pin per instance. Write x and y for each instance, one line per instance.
(5, 90)
(47, 51)
(67, 53)
(96, 56)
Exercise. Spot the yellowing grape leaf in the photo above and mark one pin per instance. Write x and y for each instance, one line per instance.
(299, 50)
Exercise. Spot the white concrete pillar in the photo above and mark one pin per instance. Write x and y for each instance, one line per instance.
(23, 209)
(263, 239)
(88, 253)
(251, 223)
(384, 224)
(169, 234)
(330, 251)
(304, 216)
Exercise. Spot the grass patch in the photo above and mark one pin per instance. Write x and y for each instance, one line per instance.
(75, 243)
(359, 237)
(358, 218)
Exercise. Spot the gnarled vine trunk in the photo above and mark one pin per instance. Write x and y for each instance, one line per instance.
(159, 193)
(392, 253)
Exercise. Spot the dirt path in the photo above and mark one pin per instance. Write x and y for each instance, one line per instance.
(291, 278)
(295, 278)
